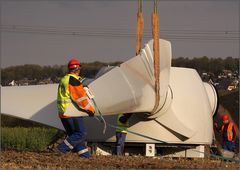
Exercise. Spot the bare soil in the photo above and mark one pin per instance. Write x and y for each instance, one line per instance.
(50, 160)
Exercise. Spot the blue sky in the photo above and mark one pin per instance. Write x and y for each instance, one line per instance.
(50, 32)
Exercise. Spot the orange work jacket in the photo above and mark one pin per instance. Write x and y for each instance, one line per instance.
(230, 129)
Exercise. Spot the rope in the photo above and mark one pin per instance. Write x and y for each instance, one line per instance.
(135, 133)
(148, 137)
(155, 32)
(156, 50)
(102, 120)
(140, 27)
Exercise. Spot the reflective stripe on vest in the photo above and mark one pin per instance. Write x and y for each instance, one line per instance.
(82, 98)
(123, 126)
(64, 98)
(229, 131)
(87, 106)
(63, 101)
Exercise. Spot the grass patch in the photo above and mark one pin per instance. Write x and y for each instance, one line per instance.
(26, 139)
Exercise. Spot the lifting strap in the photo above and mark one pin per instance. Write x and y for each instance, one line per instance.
(156, 51)
(140, 27)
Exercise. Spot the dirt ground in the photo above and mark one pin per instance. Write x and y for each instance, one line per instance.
(49, 160)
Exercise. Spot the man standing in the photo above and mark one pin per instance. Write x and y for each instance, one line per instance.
(121, 132)
(228, 133)
(71, 91)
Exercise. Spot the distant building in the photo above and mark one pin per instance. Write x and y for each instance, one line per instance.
(12, 83)
(227, 73)
(233, 85)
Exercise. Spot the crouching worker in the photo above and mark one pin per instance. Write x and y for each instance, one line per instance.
(71, 91)
(121, 132)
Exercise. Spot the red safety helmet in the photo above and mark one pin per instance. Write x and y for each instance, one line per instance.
(225, 118)
(73, 63)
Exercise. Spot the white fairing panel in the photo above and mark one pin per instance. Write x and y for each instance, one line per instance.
(188, 120)
(212, 96)
(130, 87)
(190, 106)
(184, 114)
(135, 81)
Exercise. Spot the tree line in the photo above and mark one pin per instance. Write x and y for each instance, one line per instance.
(89, 70)
(33, 72)
(205, 64)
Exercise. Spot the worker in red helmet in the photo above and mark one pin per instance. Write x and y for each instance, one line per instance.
(228, 132)
(72, 92)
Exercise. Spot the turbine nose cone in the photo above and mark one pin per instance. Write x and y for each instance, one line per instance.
(212, 96)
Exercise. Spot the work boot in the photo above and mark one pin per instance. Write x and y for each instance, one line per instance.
(56, 151)
(84, 154)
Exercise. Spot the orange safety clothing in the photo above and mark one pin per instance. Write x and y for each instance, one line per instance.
(231, 131)
(71, 91)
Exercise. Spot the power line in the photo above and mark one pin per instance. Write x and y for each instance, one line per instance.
(146, 0)
(22, 27)
(215, 35)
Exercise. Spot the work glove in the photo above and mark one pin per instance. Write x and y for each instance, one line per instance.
(125, 117)
(90, 114)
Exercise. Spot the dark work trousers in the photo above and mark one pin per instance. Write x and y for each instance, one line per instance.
(76, 136)
(121, 137)
(229, 145)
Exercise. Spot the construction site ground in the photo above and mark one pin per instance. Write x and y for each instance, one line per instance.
(52, 160)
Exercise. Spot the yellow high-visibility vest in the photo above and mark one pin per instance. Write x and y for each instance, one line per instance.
(121, 125)
(63, 97)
